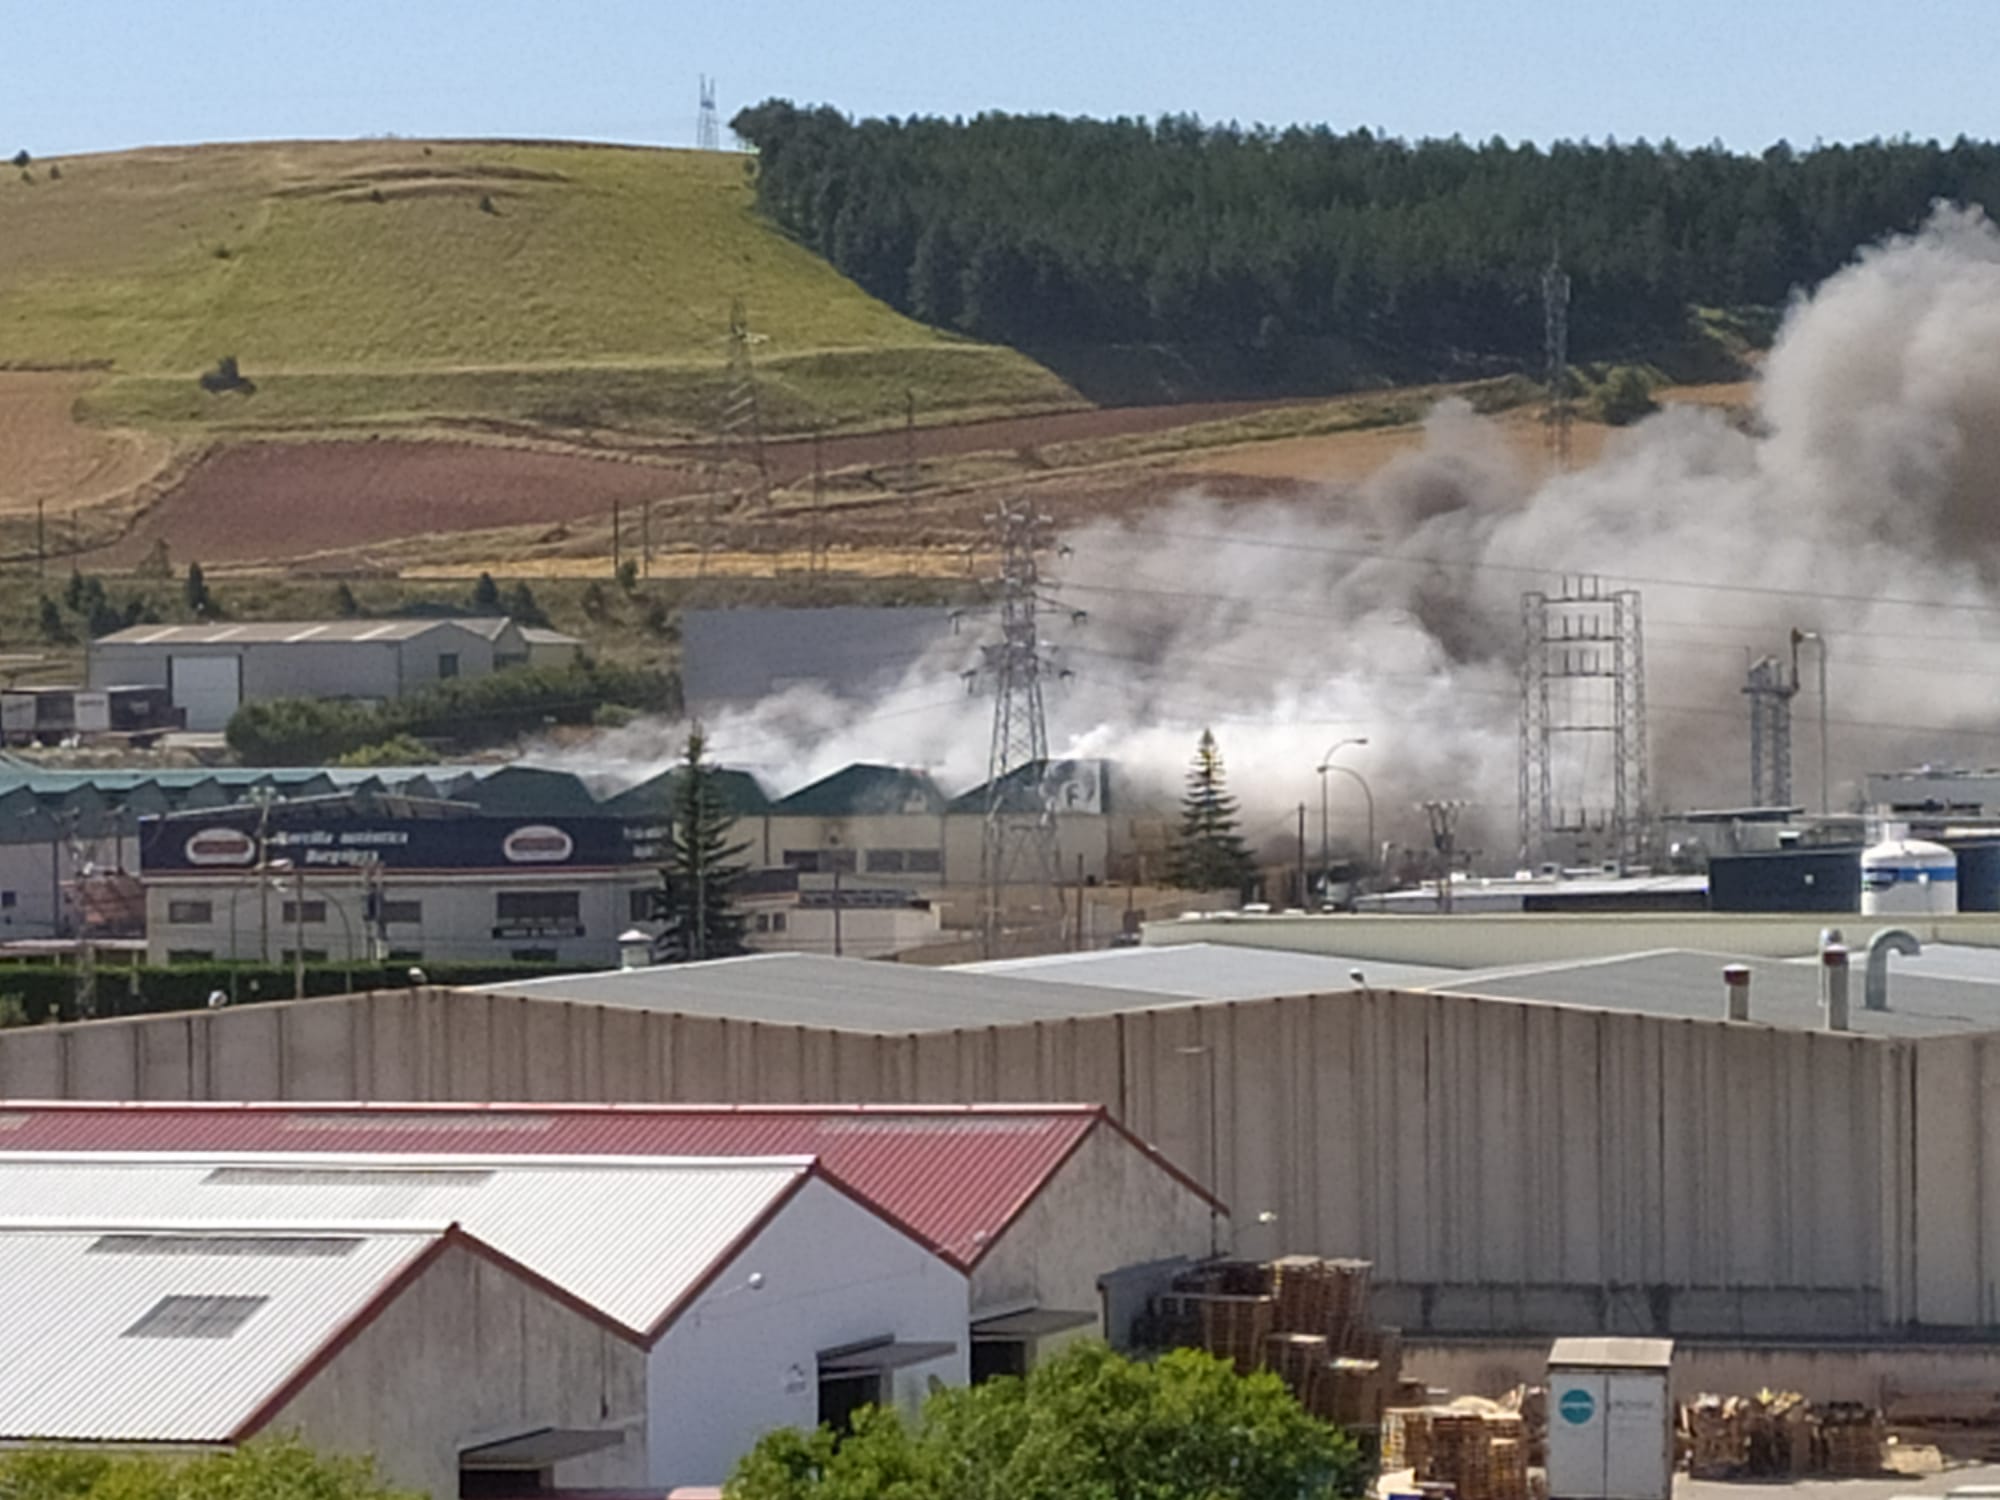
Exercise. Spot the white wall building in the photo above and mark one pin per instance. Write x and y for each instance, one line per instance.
(211, 670)
(765, 1292)
(202, 1337)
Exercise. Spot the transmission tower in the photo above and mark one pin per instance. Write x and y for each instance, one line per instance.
(739, 474)
(1555, 348)
(1583, 682)
(1443, 817)
(1770, 689)
(1018, 848)
(708, 127)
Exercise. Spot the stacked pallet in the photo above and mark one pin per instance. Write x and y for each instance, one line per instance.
(1780, 1435)
(1850, 1440)
(1310, 1320)
(1477, 1448)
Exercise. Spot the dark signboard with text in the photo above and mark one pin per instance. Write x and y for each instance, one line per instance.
(228, 839)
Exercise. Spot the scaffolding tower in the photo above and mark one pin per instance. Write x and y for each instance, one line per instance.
(1583, 685)
(1770, 689)
(1018, 848)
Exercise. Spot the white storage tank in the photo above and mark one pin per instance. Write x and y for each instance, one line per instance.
(1611, 1420)
(1908, 877)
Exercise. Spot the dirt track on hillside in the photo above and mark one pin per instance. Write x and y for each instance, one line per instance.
(48, 457)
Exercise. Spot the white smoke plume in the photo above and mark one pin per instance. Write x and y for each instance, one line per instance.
(1864, 505)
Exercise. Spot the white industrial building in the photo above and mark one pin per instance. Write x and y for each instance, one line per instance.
(200, 1337)
(765, 1293)
(1055, 1212)
(210, 671)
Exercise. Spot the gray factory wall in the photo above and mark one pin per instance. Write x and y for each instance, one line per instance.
(1505, 1166)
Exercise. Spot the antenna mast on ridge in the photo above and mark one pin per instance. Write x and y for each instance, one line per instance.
(708, 126)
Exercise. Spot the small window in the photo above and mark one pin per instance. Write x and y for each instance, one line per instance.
(538, 906)
(192, 913)
(189, 956)
(315, 911)
(8, 901)
(761, 922)
(923, 861)
(195, 1317)
(802, 859)
(403, 913)
(645, 904)
(405, 955)
(447, 664)
(532, 955)
(777, 921)
(313, 955)
(843, 860)
(885, 861)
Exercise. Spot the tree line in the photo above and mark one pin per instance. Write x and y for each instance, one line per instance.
(1045, 232)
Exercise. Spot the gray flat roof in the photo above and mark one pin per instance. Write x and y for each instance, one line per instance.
(1783, 992)
(1213, 971)
(839, 994)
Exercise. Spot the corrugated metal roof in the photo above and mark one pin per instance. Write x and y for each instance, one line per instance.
(1783, 992)
(630, 1239)
(841, 994)
(292, 632)
(70, 1372)
(865, 790)
(953, 1175)
(1213, 971)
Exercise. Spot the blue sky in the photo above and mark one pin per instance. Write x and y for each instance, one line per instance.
(81, 75)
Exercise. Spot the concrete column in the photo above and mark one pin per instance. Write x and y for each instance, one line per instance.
(1833, 985)
(1736, 984)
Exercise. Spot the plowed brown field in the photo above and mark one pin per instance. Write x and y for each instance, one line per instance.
(47, 457)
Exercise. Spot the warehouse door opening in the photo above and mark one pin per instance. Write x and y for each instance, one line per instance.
(857, 1375)
(208, 688)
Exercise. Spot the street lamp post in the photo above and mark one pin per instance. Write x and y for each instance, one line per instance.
(1214, 1145)
(1325, 838)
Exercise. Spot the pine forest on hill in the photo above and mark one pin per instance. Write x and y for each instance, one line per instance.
(1042, 232)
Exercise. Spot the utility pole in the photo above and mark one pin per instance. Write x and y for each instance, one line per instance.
(1443, 818)
(1304, 904)
(263, 797)
(1555, 350)
(910, 481)
(298, 931)
(707, 125)
(645, 538)
(836, 909)
(1019, 844)
(1799, 638)
(41, 537)
(739, 439)
(1770, 692)
(617, 544)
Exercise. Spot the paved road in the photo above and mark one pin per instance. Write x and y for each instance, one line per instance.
(1834, 1489)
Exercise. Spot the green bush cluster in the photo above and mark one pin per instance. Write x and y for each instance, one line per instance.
(467, 711)
(278, 1470)
(32, 993)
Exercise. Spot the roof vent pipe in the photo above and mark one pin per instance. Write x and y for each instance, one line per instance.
(1736, 982)
(1833, 985)
(1875, 985)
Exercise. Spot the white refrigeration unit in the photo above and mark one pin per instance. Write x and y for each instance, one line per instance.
(1611, 1419)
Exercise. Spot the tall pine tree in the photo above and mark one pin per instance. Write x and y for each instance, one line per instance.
(702, 867)
(1209, 854)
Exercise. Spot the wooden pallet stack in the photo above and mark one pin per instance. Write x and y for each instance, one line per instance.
(1307, 1319)
(1850, 1439)
(1477, 1448)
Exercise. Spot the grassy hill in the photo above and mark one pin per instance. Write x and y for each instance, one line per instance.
(405, 283)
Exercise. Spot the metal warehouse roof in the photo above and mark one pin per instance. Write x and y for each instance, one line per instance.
(841, 994)
(865, 790)
(627, 1238)
(954, 1175)
(1214, 971)
(74, 1370)
(1783, 992)
(295, 632)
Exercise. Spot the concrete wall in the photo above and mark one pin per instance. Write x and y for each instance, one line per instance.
(1477, 941)
(1111, 1206)
(742, 1361)
(467, 1354)
(1871, 1373)
(1482, 1153)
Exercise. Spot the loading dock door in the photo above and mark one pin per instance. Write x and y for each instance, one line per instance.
(208, 687)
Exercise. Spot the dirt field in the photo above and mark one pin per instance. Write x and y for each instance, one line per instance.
(272, 501)
(45, 456)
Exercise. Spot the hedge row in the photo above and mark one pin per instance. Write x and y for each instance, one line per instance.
(33, 993)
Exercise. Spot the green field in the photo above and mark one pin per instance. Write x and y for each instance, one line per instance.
(394, 283)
